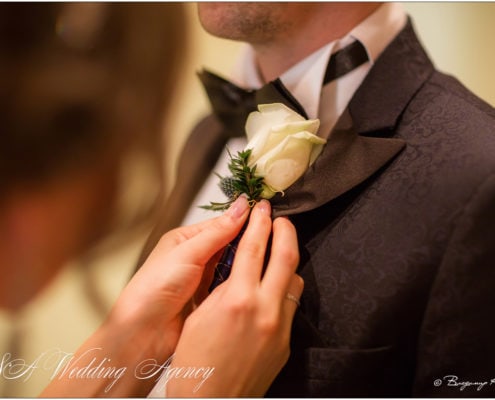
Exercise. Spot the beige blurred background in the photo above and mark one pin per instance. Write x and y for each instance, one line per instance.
(458, 37)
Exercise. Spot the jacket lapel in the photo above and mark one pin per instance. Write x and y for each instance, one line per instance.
(347, 160)
(365, 138)
(390, 85)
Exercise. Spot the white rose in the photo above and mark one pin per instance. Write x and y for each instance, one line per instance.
(283, 145)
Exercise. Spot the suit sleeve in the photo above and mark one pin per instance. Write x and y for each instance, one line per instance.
(456, 349)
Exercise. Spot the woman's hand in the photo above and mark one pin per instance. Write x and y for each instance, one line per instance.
(240, 334)
(146, 321)
(159, 296)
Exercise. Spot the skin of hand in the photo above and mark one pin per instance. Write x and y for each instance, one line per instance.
(242, 329)
(147, 319)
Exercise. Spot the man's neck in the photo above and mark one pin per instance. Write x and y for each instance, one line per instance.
(328, 22)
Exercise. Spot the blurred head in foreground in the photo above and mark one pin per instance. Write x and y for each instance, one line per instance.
(83, 91)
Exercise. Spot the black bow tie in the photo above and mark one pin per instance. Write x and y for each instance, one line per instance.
(232, 104)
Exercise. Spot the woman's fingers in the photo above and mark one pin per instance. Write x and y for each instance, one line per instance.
(280, 281)
(203, 289)
(198, 243)
(284, 258)
(293, 295)
(248, 262)
(257, 314)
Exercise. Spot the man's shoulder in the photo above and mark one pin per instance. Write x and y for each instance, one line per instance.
(444, 110)
(450, 98)
(450, 128)
(461, 95)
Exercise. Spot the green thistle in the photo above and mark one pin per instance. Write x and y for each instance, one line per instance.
(243, 180)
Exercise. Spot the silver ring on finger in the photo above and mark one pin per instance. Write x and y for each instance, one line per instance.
(293, 298)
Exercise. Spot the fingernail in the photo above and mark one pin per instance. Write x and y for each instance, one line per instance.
(265, 207)
(238, 207)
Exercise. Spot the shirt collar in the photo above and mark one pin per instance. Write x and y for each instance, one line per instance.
(304, 79)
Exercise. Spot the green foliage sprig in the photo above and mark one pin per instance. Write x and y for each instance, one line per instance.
(242, 180)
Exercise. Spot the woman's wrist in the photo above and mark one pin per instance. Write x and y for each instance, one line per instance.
(118, 360)
(143, 348)
(143, 338)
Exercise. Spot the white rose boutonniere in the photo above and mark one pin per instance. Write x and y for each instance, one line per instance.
(282, 146)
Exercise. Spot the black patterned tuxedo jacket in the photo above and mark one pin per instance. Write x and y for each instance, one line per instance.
(396, 225)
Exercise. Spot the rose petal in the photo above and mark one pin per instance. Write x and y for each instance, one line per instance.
(310, 125)
(269, 115)
(283, 144)
(280, 111)
(267, 140)
(315, 152)
(287, 162)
